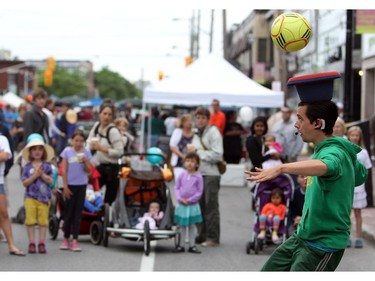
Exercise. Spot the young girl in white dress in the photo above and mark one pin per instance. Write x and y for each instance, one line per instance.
(355, 135)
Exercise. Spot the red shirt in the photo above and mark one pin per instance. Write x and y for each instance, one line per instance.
(218, 119)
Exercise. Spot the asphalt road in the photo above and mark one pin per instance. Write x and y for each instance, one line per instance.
(125, 255)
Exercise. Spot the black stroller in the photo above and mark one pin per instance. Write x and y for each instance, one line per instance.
(138, 185)
(261, 194)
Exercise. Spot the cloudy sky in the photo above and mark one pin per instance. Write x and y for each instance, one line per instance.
(133, 40)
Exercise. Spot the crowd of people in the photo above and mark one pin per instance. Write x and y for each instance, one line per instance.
(198, 141)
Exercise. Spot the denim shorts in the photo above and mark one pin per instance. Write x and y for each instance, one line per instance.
(2, 189)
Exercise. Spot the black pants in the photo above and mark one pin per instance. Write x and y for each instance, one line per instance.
(73, 210)
(109, 178)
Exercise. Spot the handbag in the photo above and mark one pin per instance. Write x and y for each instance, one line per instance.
(222, 165)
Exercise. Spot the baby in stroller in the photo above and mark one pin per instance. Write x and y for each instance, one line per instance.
(272, 213)
(154, 215)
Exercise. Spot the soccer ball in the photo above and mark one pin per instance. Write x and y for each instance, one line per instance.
(291, 32)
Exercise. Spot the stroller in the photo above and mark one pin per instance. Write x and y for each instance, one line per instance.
(91, 223)
(261, 194)
(140, 183)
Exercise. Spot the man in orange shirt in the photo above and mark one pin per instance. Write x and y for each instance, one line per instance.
(217, 117)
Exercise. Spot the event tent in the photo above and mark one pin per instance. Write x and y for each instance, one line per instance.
(208, 78)
(12, 99)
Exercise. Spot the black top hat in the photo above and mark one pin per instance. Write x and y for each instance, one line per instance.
(315, 87)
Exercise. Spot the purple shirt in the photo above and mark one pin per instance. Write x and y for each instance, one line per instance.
(189, 187)
(76, 174)
(39, 189)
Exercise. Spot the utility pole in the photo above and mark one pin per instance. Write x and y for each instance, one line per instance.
(225, 39)
(212, 29)
(348, 93)
(197, 33)
(192, 34)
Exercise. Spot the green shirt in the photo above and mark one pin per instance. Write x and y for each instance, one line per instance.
(329, 198)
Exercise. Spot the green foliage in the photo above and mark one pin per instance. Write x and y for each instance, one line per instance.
(65, 82)
(112, 85)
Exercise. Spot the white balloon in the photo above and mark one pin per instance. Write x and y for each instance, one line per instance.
(246, 113)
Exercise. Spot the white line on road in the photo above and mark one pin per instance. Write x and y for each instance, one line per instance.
(147, 262)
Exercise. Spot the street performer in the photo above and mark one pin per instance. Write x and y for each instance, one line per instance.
(333, 172)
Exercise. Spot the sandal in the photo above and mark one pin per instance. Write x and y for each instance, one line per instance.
(17, 252)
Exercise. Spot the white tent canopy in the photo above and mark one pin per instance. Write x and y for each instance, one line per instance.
(12, 99)
(210, 78)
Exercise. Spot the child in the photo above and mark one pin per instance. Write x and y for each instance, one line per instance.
(355, 135)
(273, 212)
(153, 215)
(75, 167)
(188, 189)
(94, 199)
(273, 147)
(37, 175)
(122, 124)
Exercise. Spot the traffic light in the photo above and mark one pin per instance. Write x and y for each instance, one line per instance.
(160, 75)
(48, 77)
(48, 74)
(51, 63)
(188, 61)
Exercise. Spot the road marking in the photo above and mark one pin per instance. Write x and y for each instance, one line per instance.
(147, 262)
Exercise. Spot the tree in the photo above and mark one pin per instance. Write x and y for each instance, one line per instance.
(65, 83)
(112, 85)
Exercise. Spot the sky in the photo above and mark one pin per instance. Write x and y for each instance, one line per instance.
(135, 41)
(134, 38)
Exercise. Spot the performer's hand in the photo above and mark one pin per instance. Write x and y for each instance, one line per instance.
(261, 175)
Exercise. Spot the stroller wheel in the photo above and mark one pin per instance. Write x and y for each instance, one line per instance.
(53, 226)
(105, 225)
(96, 232)
(146, 238)
(248, 248)
(257, 246)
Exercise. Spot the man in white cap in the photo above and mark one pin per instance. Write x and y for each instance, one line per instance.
(333, 171)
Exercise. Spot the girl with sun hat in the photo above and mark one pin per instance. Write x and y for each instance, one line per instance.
(37, 175)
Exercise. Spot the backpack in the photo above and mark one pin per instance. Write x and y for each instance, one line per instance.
(96, 132)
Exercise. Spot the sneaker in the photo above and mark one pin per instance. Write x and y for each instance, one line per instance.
(178, 249)
(194, 250)
(42, 248)
(358, 243)
(210, 243)
(275, 238)
(349, 244)
(261, 235)
(75, 247)
(32, 248)
(65, 245)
